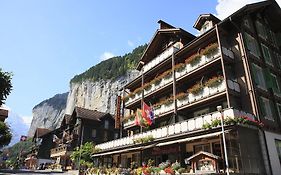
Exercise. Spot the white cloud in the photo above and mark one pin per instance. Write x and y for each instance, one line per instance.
(106, 55)
(19, 126)
(225, 8)
(27, 120)
(131, 43)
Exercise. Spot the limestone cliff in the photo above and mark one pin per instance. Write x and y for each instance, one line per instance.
(99, 95)
(48, 113)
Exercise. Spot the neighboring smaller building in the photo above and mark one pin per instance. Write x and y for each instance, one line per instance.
(82, 126)
(3, 113)
(40, 153)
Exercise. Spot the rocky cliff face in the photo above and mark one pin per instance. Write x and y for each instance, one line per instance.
(100, 95)
(48, 113)
(95, 89)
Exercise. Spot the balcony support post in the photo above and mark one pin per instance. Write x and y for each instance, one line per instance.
(142, 92)
(174, 88)
(223, 68)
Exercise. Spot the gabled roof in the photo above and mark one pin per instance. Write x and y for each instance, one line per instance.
(164, 31)
(89, 114)
(204, 153)
(39, 132)
(202, 18)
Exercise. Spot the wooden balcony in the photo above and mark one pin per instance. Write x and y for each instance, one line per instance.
(190, 100)
(61, 150)
(181, 75)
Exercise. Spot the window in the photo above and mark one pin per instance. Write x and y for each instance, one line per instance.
(277, 58)
(278, 148)
(266, 54)
(94, 133)
(106, 124)
(205, 147)
(273, 38)
(265, 107)
(261, 30)
(258, 76)
(201, 112)
(116, 135)
(275, 83)
(251, 44)
(205, 27)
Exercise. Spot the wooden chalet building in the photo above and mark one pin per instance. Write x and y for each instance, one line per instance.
(234, 63)
(82, 126)
(40, 152)
(3, 114)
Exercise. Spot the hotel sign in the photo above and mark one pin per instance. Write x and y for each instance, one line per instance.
(118, 112)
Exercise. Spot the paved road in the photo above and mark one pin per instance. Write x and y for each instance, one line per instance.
(36, 172)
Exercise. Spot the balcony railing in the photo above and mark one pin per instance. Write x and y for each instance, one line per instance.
(191, 98)
(163, 56)
(184, 71)
(175, 129)
(61, 150)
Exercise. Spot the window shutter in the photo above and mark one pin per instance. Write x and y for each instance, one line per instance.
(268, 78)
(272, 108)
(262, 107)
(254, 73)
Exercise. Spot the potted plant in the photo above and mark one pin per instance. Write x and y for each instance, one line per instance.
(211, 50)
(181, 98)
(214, 81)
(179, 68)
(193, 60)
(196, 89)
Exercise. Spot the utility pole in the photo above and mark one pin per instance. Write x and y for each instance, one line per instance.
(219, 108)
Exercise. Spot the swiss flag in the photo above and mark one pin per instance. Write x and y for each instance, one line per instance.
(147, 113)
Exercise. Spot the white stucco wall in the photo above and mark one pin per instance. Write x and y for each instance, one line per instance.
(273, 155)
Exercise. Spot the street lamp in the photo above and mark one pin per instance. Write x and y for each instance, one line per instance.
(219, 108)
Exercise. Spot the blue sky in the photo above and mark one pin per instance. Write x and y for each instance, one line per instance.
(45, 43)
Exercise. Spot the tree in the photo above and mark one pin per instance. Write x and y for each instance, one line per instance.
(5, 85)
(5, 134)
(5, 89)
(84, 154)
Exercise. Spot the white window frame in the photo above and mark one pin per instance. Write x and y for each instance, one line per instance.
(268, 59)
(267, 107)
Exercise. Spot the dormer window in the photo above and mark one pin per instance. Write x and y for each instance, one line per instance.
(206, 27)
(205, 22)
